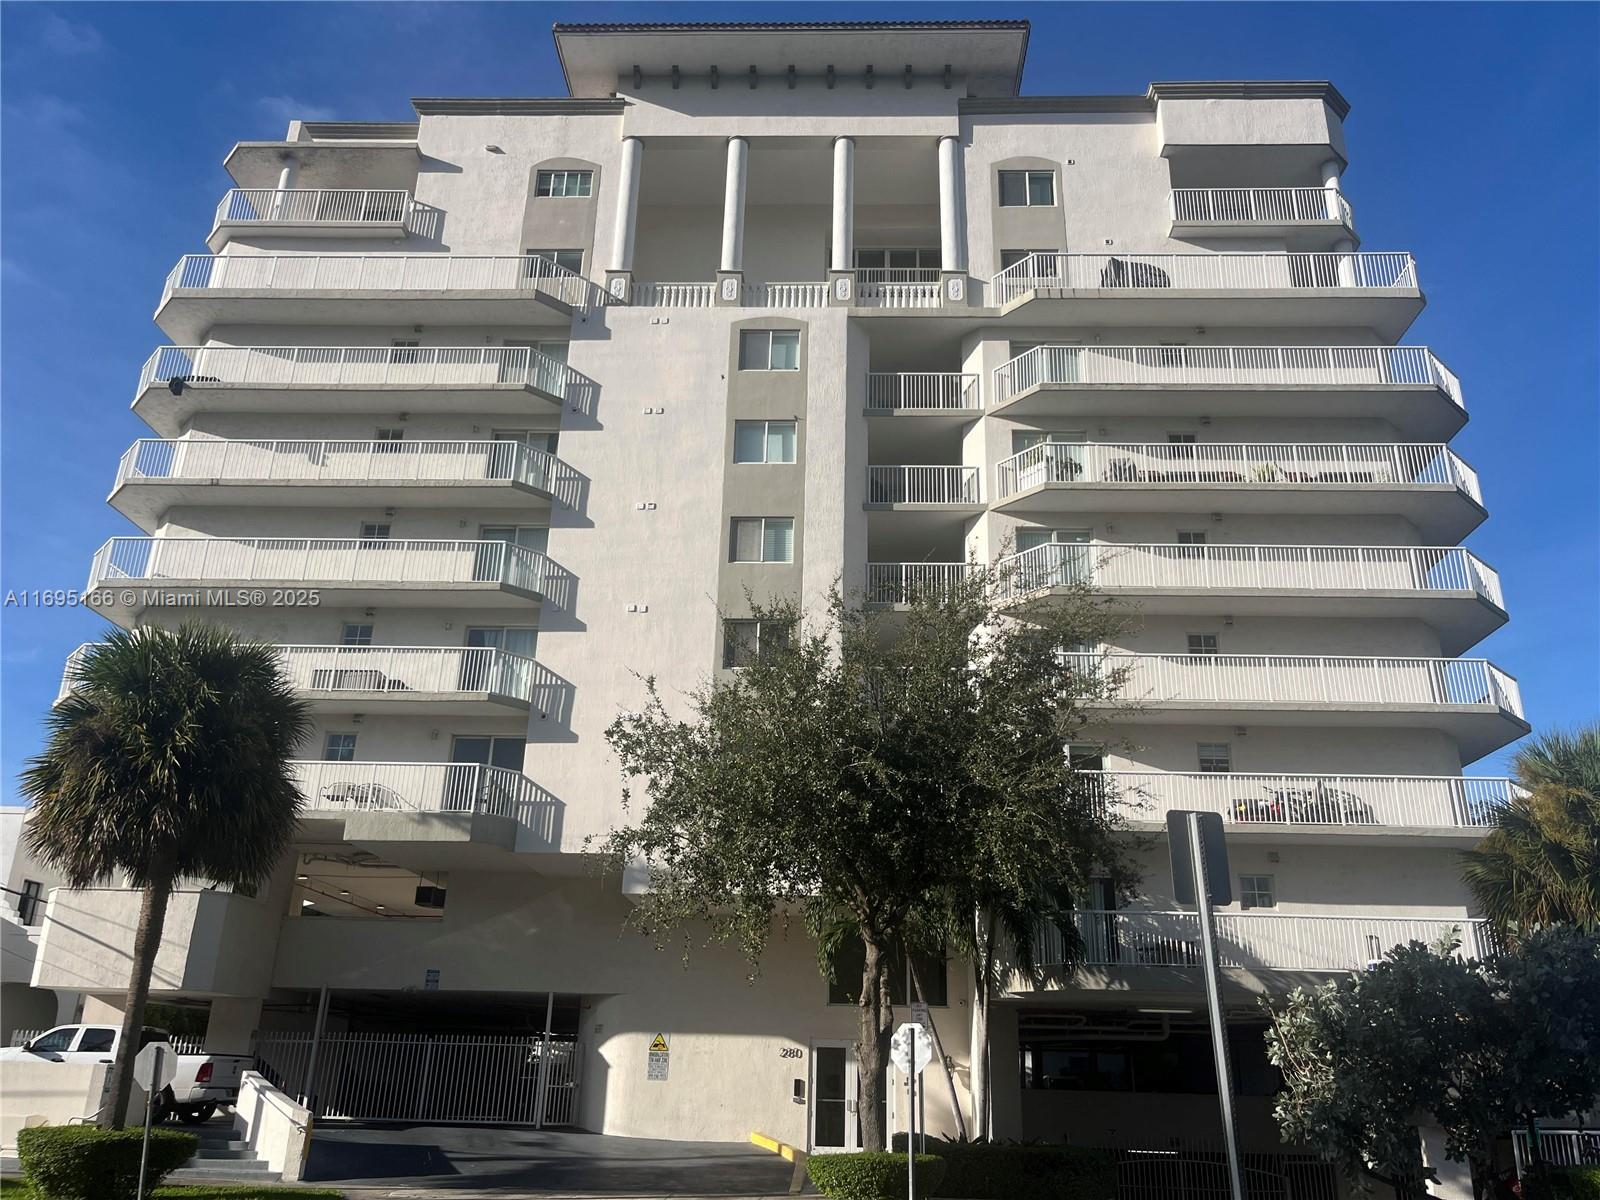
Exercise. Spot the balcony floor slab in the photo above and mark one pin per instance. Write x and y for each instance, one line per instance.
(225, 231)
(187, 314)
(124, 601)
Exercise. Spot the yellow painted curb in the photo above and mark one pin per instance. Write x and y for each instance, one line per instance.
(781, 1149)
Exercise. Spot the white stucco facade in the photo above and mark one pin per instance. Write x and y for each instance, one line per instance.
(1169, 355)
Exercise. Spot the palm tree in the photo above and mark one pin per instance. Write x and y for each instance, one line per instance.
(168, 761)
(1540, 863)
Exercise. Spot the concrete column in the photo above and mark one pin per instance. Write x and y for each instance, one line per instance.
(232, 1025)
(1331, 170)
(844, 201)
(1345, 249)
(104, 1010)
(952, 222)
(619, 275)
(1455, 1178)
(733, 205)
(287, 177)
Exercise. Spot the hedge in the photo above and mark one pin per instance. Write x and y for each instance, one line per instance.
(1023, 1171)
(872, 1175)
(1568, 1183)
(82, 1162)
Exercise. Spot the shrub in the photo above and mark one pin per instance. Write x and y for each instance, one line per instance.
(81, 1162)
(872, 1175)
(1023, 1171)
(1567, 1183)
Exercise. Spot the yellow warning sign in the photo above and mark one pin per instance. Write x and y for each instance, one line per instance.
(659, 1045)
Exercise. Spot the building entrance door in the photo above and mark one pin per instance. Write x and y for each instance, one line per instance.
(835, 1125)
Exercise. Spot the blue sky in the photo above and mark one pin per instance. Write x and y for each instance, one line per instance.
(1473, 145)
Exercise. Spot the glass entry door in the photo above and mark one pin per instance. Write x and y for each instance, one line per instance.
(465, 785)
(835, 1124)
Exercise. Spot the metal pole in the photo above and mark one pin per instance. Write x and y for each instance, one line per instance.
(1219, 1032)
(149, 1114)
(911, 1120)
(544, 1061)
(309, 1095)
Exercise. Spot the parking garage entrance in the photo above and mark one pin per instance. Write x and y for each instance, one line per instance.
(432, 1057)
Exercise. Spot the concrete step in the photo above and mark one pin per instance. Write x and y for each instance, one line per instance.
(223, 1154)
(222, 1175)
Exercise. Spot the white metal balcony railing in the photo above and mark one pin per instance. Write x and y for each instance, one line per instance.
(323, 561)
(224, 461)
(1263, 205)
(1558, 1148)
(901, 582)
(922, 485)
(1231, 568)
(869, 294)
(341, 206)
(1266, 464)
(1222, 366)
(1306, 680)
(360, 366)
(1254, 940)
(1412, 801)
(512, 273)
(892, 391)
(427, 787)
(1229, 271)
(392, 670)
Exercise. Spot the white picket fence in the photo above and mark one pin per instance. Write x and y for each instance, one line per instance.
(446, 1078)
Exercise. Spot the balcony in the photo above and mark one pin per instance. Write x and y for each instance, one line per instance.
(910, 288)
(1424, 482)
(204, 290)
(896, 584)
(924, 500)
(1445, 586)
(450, 681)
(394, 808)
(156, 475)
(310, 212)
(133, 575)
(1393, 809)
(179, 382)
(1405, 385)
(1469, 699)
(1308, 217)
(1254, 941)
(923, 394)
(1376, 291)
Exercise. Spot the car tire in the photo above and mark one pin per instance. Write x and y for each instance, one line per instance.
(197, 1114)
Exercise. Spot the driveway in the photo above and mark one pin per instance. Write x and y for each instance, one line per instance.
(457, 1159)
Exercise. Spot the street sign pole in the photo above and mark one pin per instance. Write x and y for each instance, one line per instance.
(911, 1122)
(149, 1113)
(1219, 1029)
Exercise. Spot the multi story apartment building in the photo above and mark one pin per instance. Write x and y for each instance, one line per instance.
(487, 416)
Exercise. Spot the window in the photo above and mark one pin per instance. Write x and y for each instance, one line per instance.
(567, 260)
(339, 747)
(1202, 643)
(1216, 758)
(762, 539)
(763, 441)
(390, 436)
(745, 641)
(563, 183)
(356, 635)
(97, 1041)
(919, 258)
(374, 531)
(850, 959)
(54, 1042)
(30, 902)
(1255, 891)
(1026, 439)
(769, 350)
(1191, 537)
(404, 351)
(1030, 537)
(1180, 439)
(1027, 189)
(1010, 258)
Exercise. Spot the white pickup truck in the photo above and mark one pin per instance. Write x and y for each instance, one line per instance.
(202, 1083)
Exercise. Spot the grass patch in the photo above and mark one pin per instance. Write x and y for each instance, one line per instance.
(17, 1189)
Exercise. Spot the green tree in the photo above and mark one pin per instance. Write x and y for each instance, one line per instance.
(1428, 1037)
(167, 761)
(1540, 863)
(872, 772)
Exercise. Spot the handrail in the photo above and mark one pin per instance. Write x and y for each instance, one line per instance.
(397, 670)
(219, 459)
(902, 582)
(1264, 463)
(1109, 566)
(384, 272)
(922, 485)
(1362, 801)
(390, 206)
(1220, 366)
(892, 391)
(1222, 271)
(1251, 204)
(326, 561)
(1314, 679)
(415, 787)
(354, 366)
